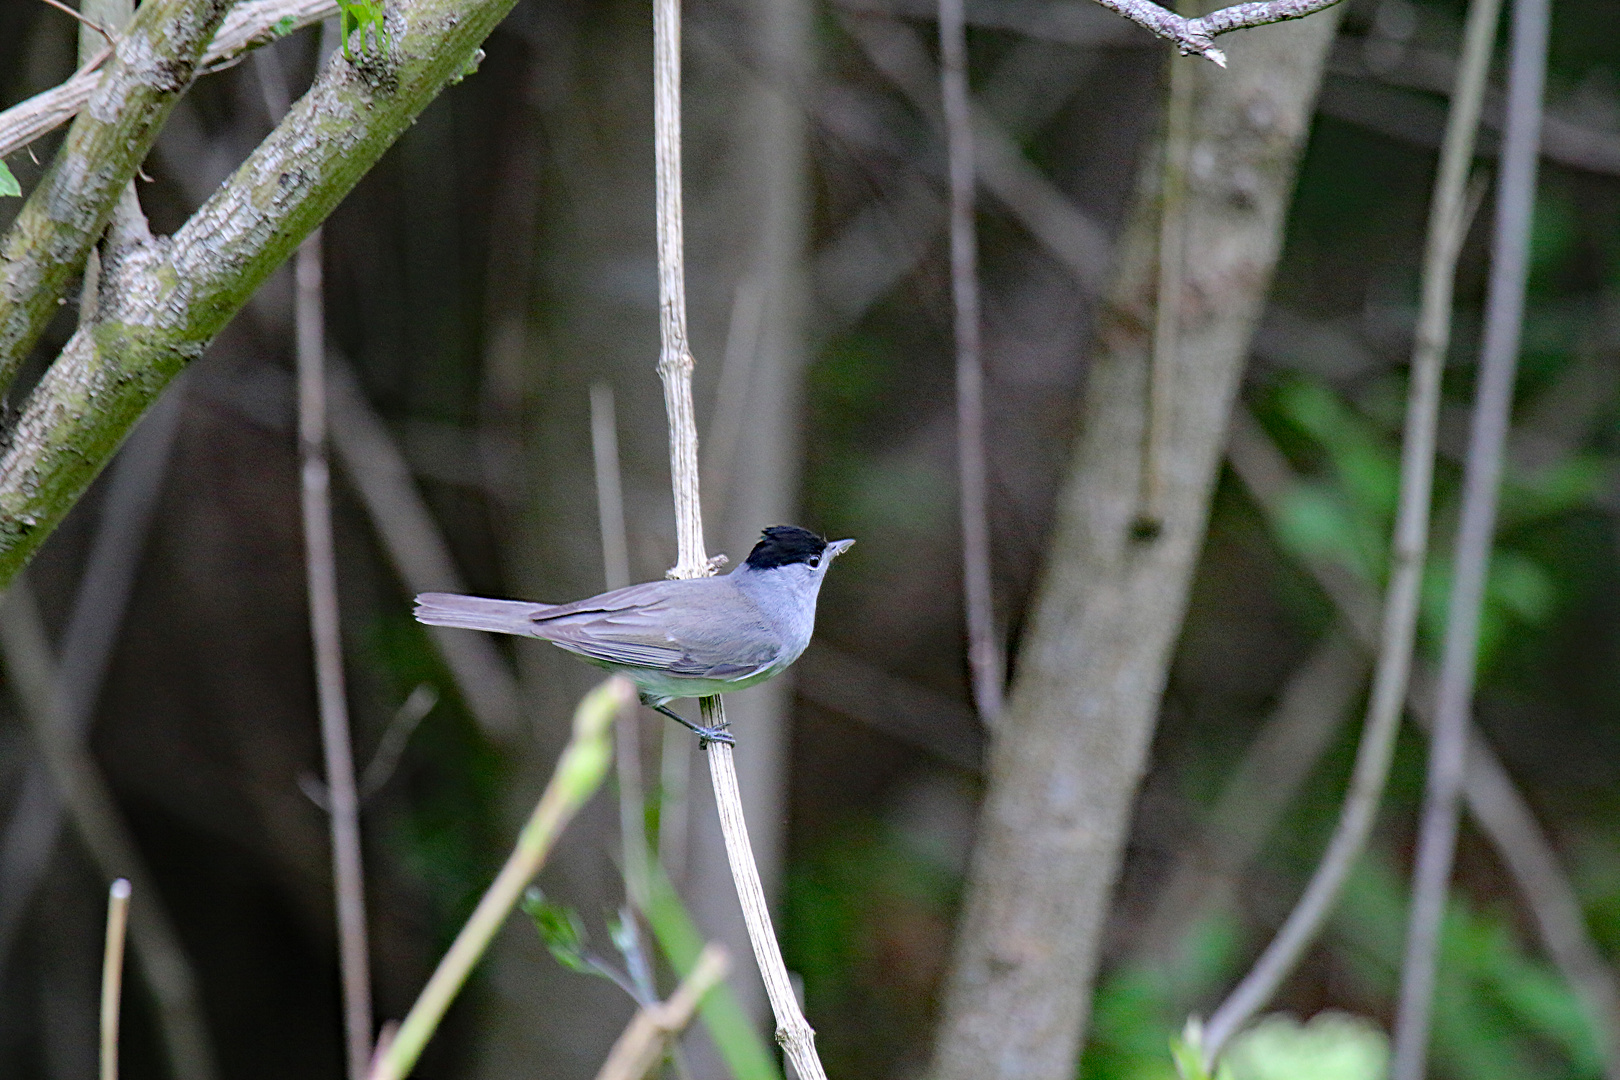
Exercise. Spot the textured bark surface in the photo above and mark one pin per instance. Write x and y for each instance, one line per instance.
(46, 246)
(162, 301)
(1071, 747)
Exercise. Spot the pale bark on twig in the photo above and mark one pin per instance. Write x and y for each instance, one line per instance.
(985, 662)
(1448, 221)
(163, 302)
(247, 26)
(1066, 759)
(1197, 36)
(112, 975)
(675, 365)
(320, 565)
(1488, 433)
(643, 1043)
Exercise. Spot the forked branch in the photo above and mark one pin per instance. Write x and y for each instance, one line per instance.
(1196, 37)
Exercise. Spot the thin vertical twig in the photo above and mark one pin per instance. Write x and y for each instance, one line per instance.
(675, 365)
(984, 649)
(1493, 402)
(112, 975)
(616, 572)
(343, 802)
(1166, 351)
(1448, 222)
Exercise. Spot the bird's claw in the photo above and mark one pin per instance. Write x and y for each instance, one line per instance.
(707, 735)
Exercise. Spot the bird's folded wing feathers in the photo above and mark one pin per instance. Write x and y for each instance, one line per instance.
(633, 627)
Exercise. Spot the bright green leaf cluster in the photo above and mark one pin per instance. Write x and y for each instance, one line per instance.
(8, 181)
(358, 15)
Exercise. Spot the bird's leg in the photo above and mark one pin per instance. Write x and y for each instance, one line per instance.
(704, 734)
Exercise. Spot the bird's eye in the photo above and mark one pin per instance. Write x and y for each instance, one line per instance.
(815, 561)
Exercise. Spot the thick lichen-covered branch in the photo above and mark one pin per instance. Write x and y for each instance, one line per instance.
(163, 301)
(45, 248)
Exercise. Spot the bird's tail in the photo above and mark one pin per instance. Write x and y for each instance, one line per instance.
(477, 613)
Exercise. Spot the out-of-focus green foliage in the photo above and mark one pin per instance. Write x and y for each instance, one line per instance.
(1332, 1045)
(1499, 1013)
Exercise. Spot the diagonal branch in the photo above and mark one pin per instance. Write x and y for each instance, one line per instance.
(163, 302)
(45, 248)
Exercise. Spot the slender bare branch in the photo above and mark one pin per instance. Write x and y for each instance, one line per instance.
(112, 975)
(1409, 548)
(616, 575)
(247, 26)
(1178, 118)
(643, 1042)
(342, 796)
(985, 660)
(1493, 402)
(675, 365)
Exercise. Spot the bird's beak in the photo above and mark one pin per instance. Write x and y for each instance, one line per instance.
(838, 547)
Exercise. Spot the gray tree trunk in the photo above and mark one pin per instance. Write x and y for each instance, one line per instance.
(1070, 749)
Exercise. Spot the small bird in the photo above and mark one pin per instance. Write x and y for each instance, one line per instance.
(677, 639)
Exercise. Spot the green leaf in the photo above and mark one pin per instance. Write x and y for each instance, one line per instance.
(561, 929)
(8, 182)
(283, 26)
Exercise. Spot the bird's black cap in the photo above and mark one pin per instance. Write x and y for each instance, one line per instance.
(784, 545)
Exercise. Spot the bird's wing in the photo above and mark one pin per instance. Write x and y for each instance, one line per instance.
(674, 626)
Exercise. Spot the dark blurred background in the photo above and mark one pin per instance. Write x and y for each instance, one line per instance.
(500, 261)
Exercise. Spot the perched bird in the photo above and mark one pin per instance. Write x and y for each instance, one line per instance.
(677, 639)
